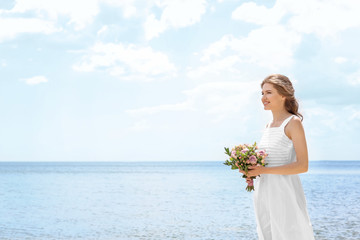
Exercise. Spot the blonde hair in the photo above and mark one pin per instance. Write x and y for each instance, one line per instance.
(285, 88)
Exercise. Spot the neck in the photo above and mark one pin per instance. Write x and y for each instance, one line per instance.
(279, 115)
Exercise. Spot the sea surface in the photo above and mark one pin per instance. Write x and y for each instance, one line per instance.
(161, 200)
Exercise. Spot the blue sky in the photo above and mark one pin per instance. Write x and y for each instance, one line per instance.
(107, 80)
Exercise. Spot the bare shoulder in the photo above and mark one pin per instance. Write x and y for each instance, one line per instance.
(295, 122)
(294, 127)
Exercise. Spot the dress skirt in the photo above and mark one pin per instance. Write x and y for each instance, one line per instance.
(280, 208)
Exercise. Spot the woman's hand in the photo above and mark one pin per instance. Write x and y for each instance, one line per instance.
(255, 171)
(243, 172)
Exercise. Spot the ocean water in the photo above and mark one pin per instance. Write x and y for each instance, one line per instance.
(161, 200)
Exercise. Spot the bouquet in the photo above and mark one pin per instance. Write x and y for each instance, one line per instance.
(242, 157)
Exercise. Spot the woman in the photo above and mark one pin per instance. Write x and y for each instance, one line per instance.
(279, 200)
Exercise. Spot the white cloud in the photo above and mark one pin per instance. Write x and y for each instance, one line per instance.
(217, 48)
(129, 11)
(219, 100)
(352, 115)
(322, 119)
(45, 15)
(223, 99)
(215, 69)
(81, 12)
(153, 27)
(35, 80)
(184, 106)
(175, 14)
(340, 60)
(323, 18)
(328, 127)
(129, 62)
(268, 47)
(128, 8)
(11, 27)
(117, 71)
(140, 126)
(253, 13)
(355, 115)
(102, 30)
(354, 78)
(326, 118)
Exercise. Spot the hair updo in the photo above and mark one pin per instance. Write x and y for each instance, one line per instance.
(285, 88)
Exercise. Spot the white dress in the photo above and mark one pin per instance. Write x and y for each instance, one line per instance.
(279, 200)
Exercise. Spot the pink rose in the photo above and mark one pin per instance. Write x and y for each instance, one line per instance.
(262, 153)
(233, 154)
(253, 160)
(244, 150)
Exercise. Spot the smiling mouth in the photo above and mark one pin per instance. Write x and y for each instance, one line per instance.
(266, 103)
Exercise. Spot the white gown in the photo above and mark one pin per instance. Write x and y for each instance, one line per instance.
(279, 200)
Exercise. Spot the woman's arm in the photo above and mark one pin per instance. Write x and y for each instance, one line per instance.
(295, 131)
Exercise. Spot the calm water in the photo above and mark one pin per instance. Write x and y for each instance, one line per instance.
(161, 200)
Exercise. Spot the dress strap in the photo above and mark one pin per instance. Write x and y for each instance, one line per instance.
(286, 121)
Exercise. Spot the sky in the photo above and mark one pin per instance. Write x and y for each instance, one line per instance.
(172, 80)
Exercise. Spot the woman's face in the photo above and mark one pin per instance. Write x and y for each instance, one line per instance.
(271, 98)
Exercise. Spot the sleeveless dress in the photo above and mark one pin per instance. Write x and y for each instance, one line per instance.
(279, 200)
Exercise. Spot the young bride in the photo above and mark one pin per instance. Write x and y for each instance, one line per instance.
(279, 200)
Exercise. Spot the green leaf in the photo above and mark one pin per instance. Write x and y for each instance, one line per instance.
(227, 151)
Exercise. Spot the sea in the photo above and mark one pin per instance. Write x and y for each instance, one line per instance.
(161, 200)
